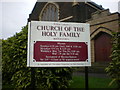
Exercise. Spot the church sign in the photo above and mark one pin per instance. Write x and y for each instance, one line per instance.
(58, 44)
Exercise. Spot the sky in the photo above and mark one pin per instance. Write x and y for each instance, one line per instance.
(14, 14)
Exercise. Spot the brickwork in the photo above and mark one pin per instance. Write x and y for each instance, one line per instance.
(92, 51)
(102, 21)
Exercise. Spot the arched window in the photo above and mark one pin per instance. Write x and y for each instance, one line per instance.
(49, 12)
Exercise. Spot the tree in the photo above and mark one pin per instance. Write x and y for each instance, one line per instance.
(16, 72)
(113, 69)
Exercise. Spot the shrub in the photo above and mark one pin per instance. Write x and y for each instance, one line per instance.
(16, 72)
(113, 69)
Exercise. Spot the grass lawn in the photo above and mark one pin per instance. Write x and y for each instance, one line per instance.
(79, 82)
(94, 82)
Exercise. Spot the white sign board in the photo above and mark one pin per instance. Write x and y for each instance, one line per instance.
(58, 44)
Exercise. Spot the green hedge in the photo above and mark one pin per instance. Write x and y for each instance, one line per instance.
(16, 72)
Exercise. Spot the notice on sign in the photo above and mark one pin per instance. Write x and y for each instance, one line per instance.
(56, 44)
(60, 51)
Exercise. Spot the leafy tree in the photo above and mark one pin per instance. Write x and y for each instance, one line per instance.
(14, 55)
(113, 69)
(16, 72)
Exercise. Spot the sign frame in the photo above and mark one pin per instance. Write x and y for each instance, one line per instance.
(33, 37)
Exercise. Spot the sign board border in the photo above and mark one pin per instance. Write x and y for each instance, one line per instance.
(30, 62)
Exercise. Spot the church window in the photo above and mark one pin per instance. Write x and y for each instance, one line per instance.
(50, 13)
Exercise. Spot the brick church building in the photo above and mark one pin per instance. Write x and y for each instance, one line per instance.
(102, 22)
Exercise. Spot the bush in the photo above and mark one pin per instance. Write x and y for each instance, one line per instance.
(16, 72)
(113, 69)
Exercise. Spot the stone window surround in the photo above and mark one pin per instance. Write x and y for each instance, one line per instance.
(49, 3)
